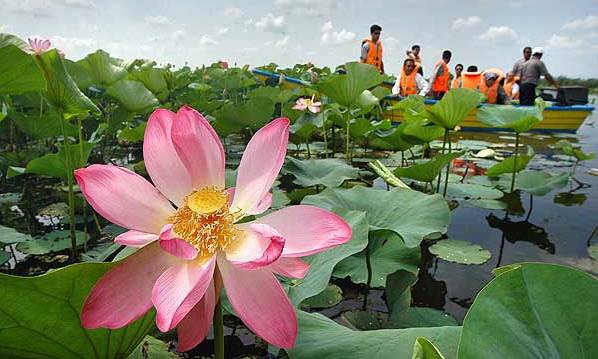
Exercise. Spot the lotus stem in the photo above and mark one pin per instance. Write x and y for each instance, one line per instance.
(448, 166)
(443, 147)
(515, 162)
(71, 194)
(348, 140)
(218, 331)
(325, 137)
(368, 264)
(308, 151)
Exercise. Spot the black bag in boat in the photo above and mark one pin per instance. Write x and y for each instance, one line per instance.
(565, 95)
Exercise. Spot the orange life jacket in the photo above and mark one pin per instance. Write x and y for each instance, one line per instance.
(509, 88)
(471, 80)
(441, 82)
(408, 83)
(374, 53)
(491, 92)
(456, 82)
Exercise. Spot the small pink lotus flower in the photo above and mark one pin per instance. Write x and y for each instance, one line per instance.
(38, 46)
(223, 64)
(189, 250)
(306, 103)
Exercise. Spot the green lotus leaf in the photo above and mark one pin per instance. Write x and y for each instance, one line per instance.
(40, 317)
(388, 254)
(424, 349)
(103, 69)
(347, 88)
(9, 39)
(427, 171)
(54, 241)
(54, 164)
(41, 127)
(518, 118)
(328, 172)
(508, 165)
(10, 235)
(19, 72)
(133, 96)
(411, 214)
(62, 92)
(454, 107)
(416, 317)
(320, 337)
(154, 80)
(458, 251)
(533, 310)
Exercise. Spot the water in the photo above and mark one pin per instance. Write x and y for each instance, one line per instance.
(547, 230)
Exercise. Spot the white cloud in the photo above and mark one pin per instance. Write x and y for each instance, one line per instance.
(207, 40)
(563, 42)
(222, 31)
(329, 36)
(309, 7)
(4, 28)
(42, 7)
(327, 27)
(391, 42)
(179, 34)
(157, 20)
(588, 22)
(282, 42)
(74, 3)
(499, 34)
(467, 22)
(271, 23)
(246, 50)
(73, 45)
(233, 12)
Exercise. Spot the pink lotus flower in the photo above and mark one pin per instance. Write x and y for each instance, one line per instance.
(306, 103)
(188, 252)
(39, 46)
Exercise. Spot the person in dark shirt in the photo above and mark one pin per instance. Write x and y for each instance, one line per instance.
(530, 75)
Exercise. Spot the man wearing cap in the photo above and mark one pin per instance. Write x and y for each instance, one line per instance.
(530, 75)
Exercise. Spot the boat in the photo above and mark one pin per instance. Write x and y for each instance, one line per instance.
(556, 118)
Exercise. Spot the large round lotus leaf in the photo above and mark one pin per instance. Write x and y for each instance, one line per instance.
(133, 96)
(457, 251)
(411, 214)
(533, 311)
(4, 257)
(10, 235)
(327, 172)
(538, 183)
(52, 242)
(471, 191)
(62, 92)
(420, 317)
(511, 164)
(103, 69)
(347, 88)
(428, 171)
(39, 317)
(320, 337)
(19, 72)
(454, 107)
(520, 118)
(388, 254)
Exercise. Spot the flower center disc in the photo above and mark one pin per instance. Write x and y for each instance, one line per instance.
(204, 221)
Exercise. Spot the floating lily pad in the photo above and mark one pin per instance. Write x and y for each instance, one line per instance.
(411, 214)
(327, 172)
(508, 165)
(52, 242)
(10, 235)
(4, 257)
(10, 198)
(362, 320)
(458, 251)
(152, 348)
(487, 203)
(593, 251)
(471, 191)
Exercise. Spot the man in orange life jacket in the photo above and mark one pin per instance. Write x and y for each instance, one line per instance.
(456, 83)
(492, 89)
(414, 55)
(371, 49)
(440, 76)
(410, 82)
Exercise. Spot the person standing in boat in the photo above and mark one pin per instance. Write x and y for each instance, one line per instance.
(410, 82)
(530, 75)
(518, 66)
(440, 76)
(371, 49)
(414, 55)
(456, 83)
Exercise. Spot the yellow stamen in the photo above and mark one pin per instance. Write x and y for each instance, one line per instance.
(205, 222)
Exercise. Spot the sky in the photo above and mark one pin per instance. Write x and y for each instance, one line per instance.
(325, 32)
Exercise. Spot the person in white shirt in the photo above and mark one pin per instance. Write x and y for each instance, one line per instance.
(410, 82)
